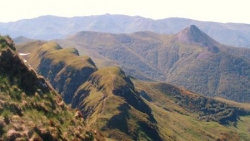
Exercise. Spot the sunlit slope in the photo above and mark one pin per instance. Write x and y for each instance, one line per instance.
(109, 102)
(135, 110)
(64, 68)
(184, 115)
(189, 58)
(30, 109)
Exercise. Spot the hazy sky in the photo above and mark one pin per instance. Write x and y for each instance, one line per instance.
(206, 10)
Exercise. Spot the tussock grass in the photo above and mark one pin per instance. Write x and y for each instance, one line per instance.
(30, 109)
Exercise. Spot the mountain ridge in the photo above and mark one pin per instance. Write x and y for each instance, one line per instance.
(127, 109)
(90, 90)
(206, 67)
(51, 27)
(30, 108)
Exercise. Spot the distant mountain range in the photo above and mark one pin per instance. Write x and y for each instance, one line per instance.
(52, 27)
(189, 58)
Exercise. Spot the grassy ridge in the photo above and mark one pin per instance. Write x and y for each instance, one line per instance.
(64, 68)
(137, 110)
(190, 59)
(30, 109)
(109, 102)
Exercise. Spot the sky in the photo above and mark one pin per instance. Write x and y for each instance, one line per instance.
(236, 11)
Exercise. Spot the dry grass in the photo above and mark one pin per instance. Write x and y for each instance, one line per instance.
(30, 108)
(233, 103)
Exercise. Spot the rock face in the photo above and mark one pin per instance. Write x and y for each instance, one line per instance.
(30, 109)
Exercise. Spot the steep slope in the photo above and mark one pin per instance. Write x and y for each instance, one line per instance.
(184, 115)
(109, 101)
(217, 70)
(57, 64)
(206, 108)
(52, 27)
(30, 109)
(121, 48)
(193, 35)
(189, 58)
(106, 97)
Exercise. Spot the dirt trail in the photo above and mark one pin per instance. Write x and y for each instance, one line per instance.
(103, 100)
(105, 95)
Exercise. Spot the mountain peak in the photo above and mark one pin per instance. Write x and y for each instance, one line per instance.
(193, 35)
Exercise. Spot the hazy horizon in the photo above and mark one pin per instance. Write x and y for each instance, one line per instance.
(122, 15)
(212, 10)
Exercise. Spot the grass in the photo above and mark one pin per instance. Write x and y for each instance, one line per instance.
(64, 68)
(33, 111)
(37, 50)
(36, 113)
(158, 57)
(111, 111)
(177, 122)
(174, 121)
(175, 126)
(42, 115)
(109, 100)
(69, 56)
(233, 103)
(51, 50)
(243, 127)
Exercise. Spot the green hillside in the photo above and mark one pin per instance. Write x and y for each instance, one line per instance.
(109, 102)
(183, 115)
(97, 93)
(129, 109)
(64, 68)
(189, 58)
(30, 109)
